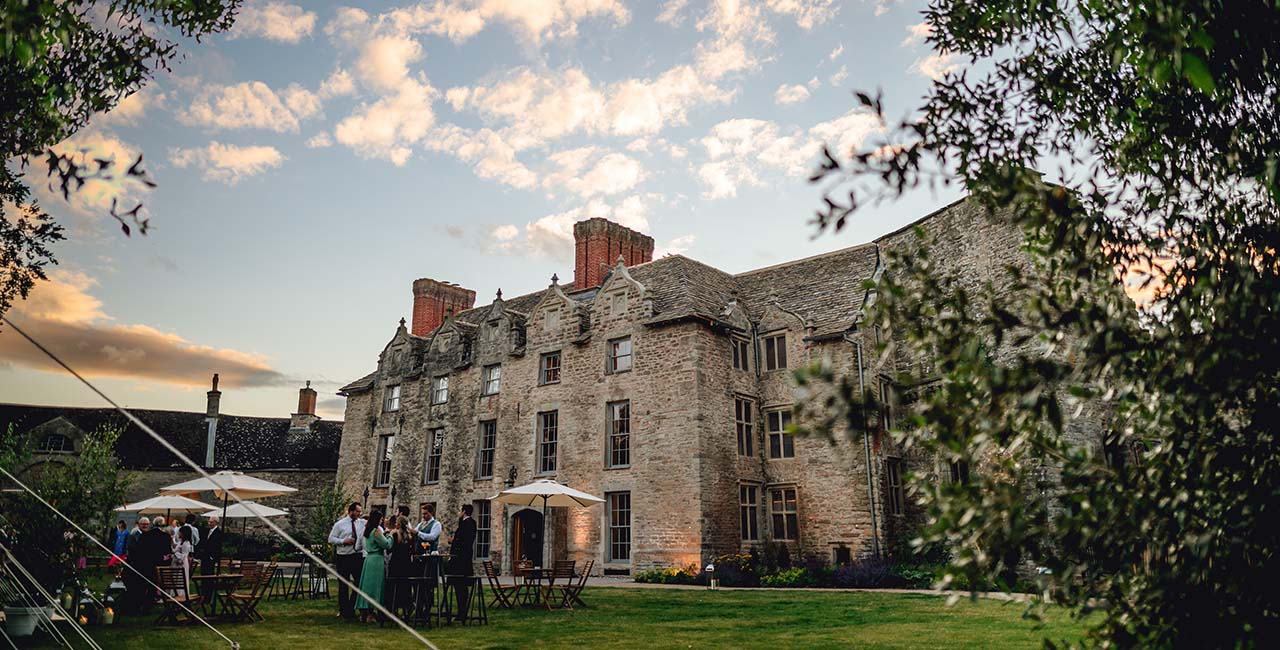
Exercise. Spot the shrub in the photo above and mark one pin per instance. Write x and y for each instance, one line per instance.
(863, 573)
(793, 577)
(737, 570)
(915, 576)
(683, 576)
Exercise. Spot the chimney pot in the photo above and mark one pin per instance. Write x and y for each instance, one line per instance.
(434, 300)
(598, 243)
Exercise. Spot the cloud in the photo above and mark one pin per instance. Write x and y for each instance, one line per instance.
(937, 65)
(251, 105)
(552, 235)
(389, 127)
(836, 52)
(791, 94)
(917, 33)
(227, 163)
(839, 76)
(131, 109)
(882, 6)
(675, 246)
(94, 198)
(274, 21)
(610, 173)
(319, 141)
(66, 318)
(338, 83)
(807, 13)
(490, 155)
(740, 151)
(671, 11)
(533, 21)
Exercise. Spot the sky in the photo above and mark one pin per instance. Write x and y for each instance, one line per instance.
(317, 158)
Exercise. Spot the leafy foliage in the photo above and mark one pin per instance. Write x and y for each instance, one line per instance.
(61, 63)
(1163, 121)
(85, 487)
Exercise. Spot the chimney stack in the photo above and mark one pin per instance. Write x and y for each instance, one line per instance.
(306, 408)
(211, 422)
(599, 243)
(433, 300)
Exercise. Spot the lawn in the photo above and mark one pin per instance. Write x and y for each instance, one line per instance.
(652, 619)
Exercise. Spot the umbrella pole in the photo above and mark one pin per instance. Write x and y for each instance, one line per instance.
(218, 569)
(546, 537)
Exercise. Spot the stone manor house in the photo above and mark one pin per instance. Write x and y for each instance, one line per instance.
(663, 386)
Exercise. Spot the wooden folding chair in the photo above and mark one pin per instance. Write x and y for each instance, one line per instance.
(573, 590)
(245, 605)
(562, 572)
(173, 581)
(500, 591)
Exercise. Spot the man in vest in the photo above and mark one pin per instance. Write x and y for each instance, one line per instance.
(346, 537)
(429, 528)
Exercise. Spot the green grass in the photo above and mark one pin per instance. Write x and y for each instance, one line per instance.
(652, 619)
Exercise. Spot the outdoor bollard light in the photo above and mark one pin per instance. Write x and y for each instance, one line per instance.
(108, 616)
(712, 582)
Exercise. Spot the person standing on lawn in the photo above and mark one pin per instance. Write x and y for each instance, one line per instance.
(345, 537)
(373, 573)
(429, 528)
(459, 570)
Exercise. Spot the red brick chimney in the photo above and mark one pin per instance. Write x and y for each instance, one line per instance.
(433, 300)
(306, 414)
(599, 242)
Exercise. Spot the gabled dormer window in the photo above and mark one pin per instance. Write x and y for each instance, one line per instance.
(775, 352)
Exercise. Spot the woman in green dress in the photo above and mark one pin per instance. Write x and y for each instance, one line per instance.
(371, 576)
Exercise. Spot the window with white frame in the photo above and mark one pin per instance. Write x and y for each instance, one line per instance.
(482, 512)
(893, 477)
(435, 451)
(749, 511)
(440, 389)
(382, 472)
(742, 421)
(55, 443)
(775, 352)
(782, 444)
(618, 447)
(619, 517)
(549, 368)
(391, 399)
(486, 447)
(786, 515)
(548, 437)
(741, 353)
(492, 380)
(620, 355)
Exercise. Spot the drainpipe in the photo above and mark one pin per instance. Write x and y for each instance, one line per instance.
(866, 445)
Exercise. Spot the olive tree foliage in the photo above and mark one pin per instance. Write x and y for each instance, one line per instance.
(61, 63)
(1159, 124)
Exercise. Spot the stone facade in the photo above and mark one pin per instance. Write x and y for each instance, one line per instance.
(707, 351)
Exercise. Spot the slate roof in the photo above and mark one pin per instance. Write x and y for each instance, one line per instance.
(243, 443)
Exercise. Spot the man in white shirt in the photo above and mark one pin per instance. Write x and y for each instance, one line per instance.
(429, 528)
(346, 537)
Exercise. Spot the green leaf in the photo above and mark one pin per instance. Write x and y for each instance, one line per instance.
(1195, 70)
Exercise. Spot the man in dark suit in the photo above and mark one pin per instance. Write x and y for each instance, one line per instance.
(152, 550)
(209, 552)
(461, 547)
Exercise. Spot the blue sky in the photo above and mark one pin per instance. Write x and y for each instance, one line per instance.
(318, 158)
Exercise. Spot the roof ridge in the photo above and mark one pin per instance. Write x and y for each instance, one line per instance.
(838, 251)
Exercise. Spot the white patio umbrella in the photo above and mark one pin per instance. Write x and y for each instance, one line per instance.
(165, 503)
(226, 483)
(548, 493)
(245, 510)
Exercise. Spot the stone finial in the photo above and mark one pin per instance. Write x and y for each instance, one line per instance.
(499, 294)
(308, 383)
(402, 322)
(622, 261)
(555, 279)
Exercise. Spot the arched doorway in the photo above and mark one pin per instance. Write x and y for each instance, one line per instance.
(526, 536)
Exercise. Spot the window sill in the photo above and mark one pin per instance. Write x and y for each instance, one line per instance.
(488, 394)
(431, 482)
(482, 478)
(613, 467)
(771, 458)
(548, 383)
(439, 403)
